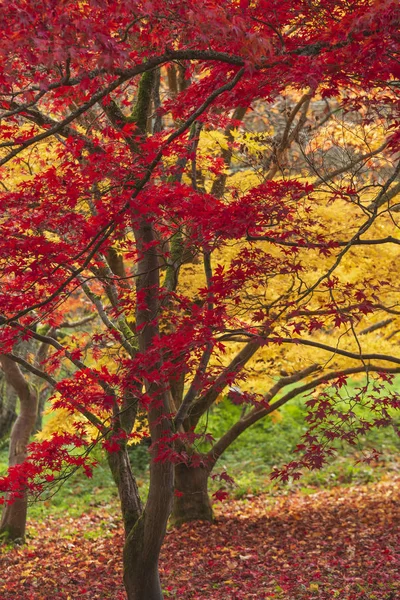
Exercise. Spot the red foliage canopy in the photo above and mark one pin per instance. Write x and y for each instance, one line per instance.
(114, 173)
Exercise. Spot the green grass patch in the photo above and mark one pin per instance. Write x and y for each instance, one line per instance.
(271, 442)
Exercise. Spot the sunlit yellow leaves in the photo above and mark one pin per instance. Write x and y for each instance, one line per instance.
(56, 421)
(359, 270)
(212, 142)
(61, 420)
(22, 168)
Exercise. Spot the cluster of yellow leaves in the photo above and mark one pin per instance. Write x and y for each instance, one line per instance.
(29, 162)
(61, 420)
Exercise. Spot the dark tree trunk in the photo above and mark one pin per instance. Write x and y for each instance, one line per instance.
(8, 405)
(144, 541)
(144, 528)
(13, 522)
(194, 503)
(141, 576)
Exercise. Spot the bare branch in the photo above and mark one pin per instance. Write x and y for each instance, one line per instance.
(34, 370)
(376, 326)
(73, 324)
(335, 350)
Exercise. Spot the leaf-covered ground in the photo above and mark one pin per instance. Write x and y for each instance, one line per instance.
(343, 543)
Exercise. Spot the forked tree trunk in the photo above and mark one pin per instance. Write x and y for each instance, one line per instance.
(144, 528)
(13, 522)
(191, 501)
(141, 550)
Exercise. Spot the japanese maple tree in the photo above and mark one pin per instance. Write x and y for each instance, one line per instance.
(116, 95)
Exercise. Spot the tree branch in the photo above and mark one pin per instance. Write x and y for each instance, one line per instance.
(257, 414)
(334, 350)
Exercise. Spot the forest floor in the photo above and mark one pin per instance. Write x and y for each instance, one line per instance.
(342, 543)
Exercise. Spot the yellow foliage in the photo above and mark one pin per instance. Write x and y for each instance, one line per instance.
(338, 221)
(30, 161)
(212, 142)
(62, 421)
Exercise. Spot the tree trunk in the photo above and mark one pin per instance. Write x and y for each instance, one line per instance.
(141, 577)
(8, 414)
(144, 529)
(13, 522)
(143, 543)
(194, 504)
(42, 397)
(140, 558)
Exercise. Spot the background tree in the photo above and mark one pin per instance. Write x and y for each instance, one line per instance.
(8, 408)
(13, 520)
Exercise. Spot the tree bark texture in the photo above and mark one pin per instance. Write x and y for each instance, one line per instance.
(194, 503)
(144, 530)
(8, 404)
(13, 522)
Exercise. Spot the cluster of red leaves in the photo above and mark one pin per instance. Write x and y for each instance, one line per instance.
(342, 544)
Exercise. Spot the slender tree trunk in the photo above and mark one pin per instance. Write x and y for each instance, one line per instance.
(13, 522)
(194, 503)
(144, 532)
(8, 414)
(140, 554)
(145, 528)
